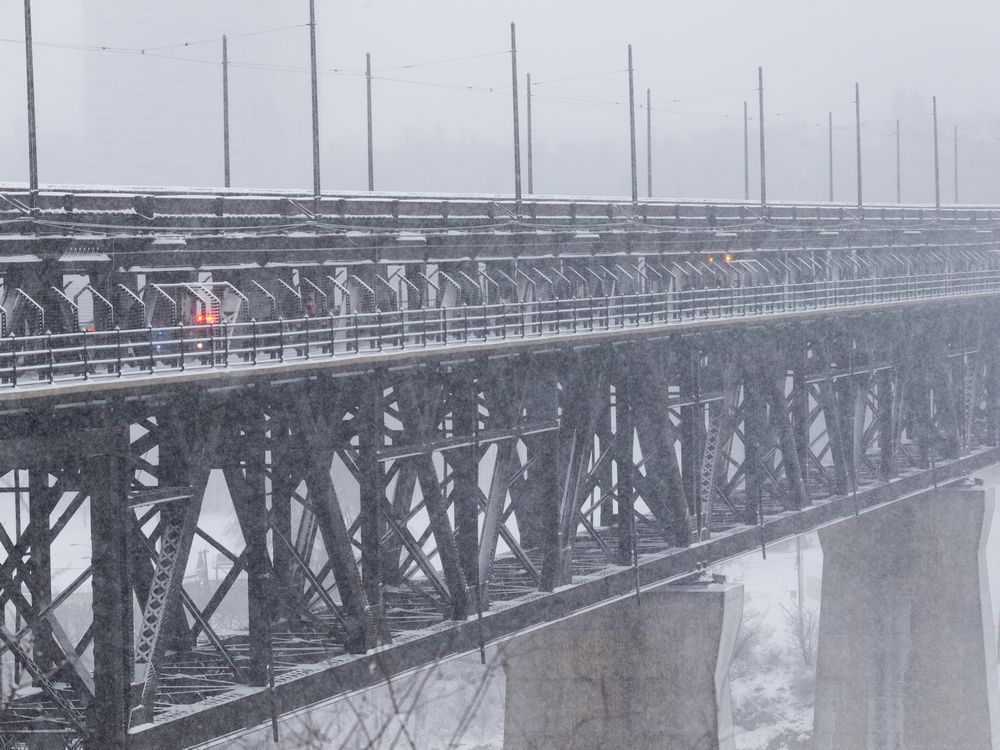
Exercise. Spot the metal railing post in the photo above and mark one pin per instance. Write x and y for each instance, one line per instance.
(152, 349)
(180, 342)
(253, 341)
(86, 358)
(118, 351)
(52, 363)
(13, 360)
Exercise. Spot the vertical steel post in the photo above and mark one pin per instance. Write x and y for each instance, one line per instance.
(372, 493)
(937, 172)
(899, 171)
(225, 109)
(692, 426)
(29, 65)
(371, 146)
(517, 122)
(107, 478)
(746, 152)
(531, 175)
(315, 106)
(754, 427)
(625, 461)
(631, 122)
(649, 143)
(465, 471)
(760, 114)
(830, 140)
(956, 164)
(885, 399)
(253, 506)
(857, 128)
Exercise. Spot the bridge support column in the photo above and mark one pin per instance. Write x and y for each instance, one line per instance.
(624, 675)
(107, 480)
(906, 651)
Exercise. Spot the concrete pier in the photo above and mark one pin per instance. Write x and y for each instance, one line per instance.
(626, 675)
(906, 656)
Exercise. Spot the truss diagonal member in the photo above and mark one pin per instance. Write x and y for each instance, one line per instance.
(398, 507)
(164, 595)
(717, 438)
(179, 521)
(420, 426)
(42, 681)
(493, 527)
(774, 387)
(584, 398)
(340, 550)
(656, 436)
(826, 395)
(333, 530)
(506, 409)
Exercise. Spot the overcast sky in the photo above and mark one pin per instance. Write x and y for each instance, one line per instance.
(126, 118)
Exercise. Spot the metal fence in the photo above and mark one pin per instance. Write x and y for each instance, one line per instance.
(52, 358)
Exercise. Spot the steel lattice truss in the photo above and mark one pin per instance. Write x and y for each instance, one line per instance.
(277, 529)
(379, 504)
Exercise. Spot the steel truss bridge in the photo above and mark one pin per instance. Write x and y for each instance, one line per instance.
(440, 420)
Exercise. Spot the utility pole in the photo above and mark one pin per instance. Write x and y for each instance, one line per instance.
(649, 143)
(225, 109)
(517, 124)
(857, 128)
(899, 171)
(763, 163)
(746, 152)
(937, 172)
(631, 121)
(315, 107)
(371, 147)
(830, 132)
(32, 132)
(531, 175)
(956, 164)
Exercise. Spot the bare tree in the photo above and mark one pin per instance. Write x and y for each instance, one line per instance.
(802, 624)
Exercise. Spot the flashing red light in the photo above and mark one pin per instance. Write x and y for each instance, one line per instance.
(206, 319)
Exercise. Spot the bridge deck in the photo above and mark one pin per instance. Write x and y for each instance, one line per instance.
(71, 365)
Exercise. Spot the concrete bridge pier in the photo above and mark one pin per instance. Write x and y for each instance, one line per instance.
(649, 675)
(906, 652)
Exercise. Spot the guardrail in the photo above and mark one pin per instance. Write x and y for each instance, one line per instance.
(52, 358)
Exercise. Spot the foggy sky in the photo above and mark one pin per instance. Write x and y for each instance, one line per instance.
(143, 120)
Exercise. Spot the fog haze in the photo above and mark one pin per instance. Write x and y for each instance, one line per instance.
(127, 118)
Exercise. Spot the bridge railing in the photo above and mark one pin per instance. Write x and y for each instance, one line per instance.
(52, 358)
